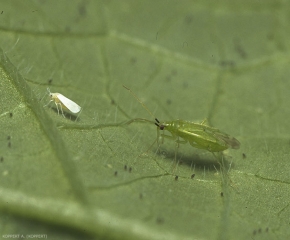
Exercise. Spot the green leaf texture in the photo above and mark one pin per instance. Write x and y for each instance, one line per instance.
(90, 176)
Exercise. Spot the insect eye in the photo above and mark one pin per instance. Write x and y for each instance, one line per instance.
(161, 127)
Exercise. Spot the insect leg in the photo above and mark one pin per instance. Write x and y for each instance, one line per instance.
(172, 137)
(174, 166)
(48, 103)
(204, 121)
(162, 136)
(158, 135)
(61, 110)
(56, 104)
(57, 108)
(177, 142)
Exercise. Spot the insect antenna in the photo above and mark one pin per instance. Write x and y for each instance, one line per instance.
(138, 120)
(157, 123)
(48, 90)
(144, 106)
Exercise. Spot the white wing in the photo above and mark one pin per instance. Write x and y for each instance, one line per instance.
(69, 104)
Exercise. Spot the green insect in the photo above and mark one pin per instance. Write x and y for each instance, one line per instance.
(198, 135)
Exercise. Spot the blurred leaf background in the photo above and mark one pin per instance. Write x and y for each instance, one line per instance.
(86, 176)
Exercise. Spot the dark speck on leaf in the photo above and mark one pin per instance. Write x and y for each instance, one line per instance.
(82, 9)
(133, 60)
(160, 220)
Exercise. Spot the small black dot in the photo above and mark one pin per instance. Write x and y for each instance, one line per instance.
(222, 194)
(1, 159)
(168, 78)
(11, 114)
(49, 81)
(125, 167)
(244, 155)
(9, 144)
(176, 178)
(130, 169)
(116, 173)
(8, 137)
(174, 72)
(160, 220)
(133, 60)
(192, 176)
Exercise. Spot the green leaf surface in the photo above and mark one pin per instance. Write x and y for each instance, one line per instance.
(90, 176)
